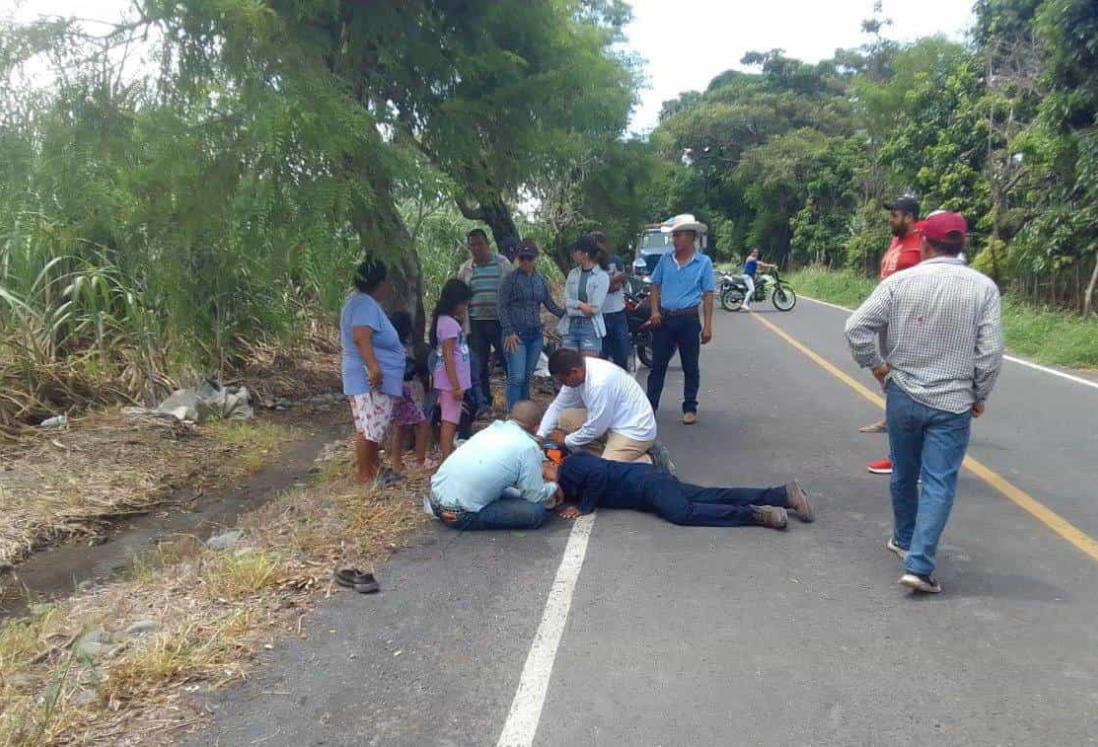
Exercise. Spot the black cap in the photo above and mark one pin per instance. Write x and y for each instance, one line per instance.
(906, 203)
(526, 249)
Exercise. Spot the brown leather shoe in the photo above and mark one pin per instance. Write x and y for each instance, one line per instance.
(689, 418)
(798, 502)
(771, 516)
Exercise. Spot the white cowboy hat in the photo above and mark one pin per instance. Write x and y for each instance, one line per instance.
(684, 222)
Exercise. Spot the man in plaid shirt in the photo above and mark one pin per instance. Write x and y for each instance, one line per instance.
(943, 351)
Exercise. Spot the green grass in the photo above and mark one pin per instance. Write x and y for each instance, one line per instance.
(1054, 338)
(844, 288)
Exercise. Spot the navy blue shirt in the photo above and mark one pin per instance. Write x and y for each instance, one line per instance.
(598, 482)
(750, 267)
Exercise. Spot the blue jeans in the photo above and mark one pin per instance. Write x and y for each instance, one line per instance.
(683, 332)
(582, 336)
(930, 442)
(617, 343)
(521, 365)
(505, 513)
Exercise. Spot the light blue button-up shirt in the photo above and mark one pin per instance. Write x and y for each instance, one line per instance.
(683, 287)
(501, 459)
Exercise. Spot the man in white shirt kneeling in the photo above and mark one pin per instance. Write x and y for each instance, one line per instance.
(598, 401)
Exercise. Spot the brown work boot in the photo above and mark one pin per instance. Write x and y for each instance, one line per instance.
(770, 516)
(689, 418)
(798, 502)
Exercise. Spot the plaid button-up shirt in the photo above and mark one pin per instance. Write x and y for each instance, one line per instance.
(944, 340)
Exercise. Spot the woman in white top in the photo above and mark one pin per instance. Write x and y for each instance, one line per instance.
(582, 327)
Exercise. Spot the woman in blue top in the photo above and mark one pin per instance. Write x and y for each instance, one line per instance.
(373, 364)
(750, 267)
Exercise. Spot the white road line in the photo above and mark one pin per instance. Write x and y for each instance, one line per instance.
(522, 720)
(1011, 358)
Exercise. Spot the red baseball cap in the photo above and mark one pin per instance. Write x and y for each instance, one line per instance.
(938, 226)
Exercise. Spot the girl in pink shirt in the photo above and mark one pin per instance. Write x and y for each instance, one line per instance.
(452, 373)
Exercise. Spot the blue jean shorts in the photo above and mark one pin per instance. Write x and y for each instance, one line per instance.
(582, 337)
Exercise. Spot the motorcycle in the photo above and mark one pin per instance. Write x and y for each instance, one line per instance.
(770, 286)
(638, 310)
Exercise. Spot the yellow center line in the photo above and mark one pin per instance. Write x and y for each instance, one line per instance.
(1058, 524)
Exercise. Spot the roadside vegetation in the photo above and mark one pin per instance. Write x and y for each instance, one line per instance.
(128, 661)
(1046, 336)
(74, 483)
(188, 188)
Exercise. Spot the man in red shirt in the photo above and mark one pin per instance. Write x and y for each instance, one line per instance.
(905, 251)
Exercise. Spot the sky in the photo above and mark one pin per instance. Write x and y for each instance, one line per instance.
(687, 42)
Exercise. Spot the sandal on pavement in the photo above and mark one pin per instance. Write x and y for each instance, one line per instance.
(352, 578)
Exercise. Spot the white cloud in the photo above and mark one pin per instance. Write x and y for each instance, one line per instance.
(687, 42)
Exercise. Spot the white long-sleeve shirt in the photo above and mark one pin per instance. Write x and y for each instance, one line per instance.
(614, 401)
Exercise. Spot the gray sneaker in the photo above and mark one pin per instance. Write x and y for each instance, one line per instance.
(798, 502)
(770, 516)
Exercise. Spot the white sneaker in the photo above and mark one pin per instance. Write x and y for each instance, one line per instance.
(926, 584)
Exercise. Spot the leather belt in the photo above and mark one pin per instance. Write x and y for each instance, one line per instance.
(678, 313)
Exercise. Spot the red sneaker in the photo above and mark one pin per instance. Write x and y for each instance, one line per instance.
(883, 467)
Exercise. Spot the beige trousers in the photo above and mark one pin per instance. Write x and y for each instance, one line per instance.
(613, 446)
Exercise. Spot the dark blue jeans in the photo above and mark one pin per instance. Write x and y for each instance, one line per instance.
(932, 443)
(683, 332)
(505, 513)
(521, 365)
(617, 343)
(692, 505)
(484, 339)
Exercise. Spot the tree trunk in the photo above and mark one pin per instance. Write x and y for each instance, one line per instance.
(495, 213)
(1088, 297)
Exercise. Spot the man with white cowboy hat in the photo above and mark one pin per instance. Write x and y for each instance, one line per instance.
(681, 282)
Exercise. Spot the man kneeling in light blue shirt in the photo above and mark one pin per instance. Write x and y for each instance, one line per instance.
(494, 480)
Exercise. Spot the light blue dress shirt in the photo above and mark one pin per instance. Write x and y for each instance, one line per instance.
(683, 287)
(501, 460)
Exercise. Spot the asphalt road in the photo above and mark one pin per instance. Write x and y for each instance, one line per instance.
(696, 636)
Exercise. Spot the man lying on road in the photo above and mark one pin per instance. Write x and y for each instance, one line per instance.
(494, 480)
(598, 399)
(642, 487)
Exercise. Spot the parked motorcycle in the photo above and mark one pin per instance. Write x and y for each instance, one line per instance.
(638, 310)
(768, 286)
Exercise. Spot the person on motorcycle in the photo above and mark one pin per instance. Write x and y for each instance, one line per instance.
(595, 482)
(751, 266)
(597, 401)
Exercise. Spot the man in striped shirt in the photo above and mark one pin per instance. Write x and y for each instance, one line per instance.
(484, 272)
(942, 353)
